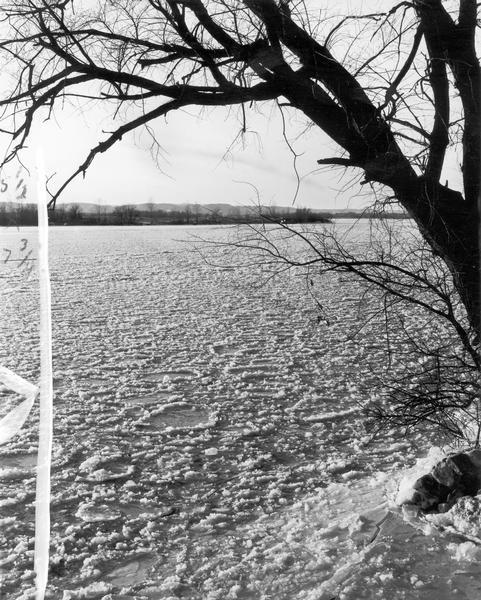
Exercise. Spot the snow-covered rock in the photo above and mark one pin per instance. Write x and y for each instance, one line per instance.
(455, 476)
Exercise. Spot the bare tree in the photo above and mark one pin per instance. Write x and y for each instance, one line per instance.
(74, 214)
(396, 90)
(151, 208)
(125, 215)
(100, 212)
(196, 212)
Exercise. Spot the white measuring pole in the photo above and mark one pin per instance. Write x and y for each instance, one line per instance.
(42, 507)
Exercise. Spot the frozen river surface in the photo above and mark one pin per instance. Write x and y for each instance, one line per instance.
(208, 438)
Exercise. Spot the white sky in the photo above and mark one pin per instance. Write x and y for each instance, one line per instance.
(193, 166)
(203, 160)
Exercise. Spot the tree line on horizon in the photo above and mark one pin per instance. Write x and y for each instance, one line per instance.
(25, 214)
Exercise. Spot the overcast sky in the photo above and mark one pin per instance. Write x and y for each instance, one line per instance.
(203, 158)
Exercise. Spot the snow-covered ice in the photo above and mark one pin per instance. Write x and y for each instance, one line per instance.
(209, 441)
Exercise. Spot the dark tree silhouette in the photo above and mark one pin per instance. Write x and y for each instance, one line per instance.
(395, 90)
(74, 214)
(125, 215)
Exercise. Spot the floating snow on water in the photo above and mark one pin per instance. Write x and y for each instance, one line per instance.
(149, 399)
(132, 572)
(174, 376)
(223, 349)
(113, 473)
(92, 591)
(190, 370)
(180, 415)
(106, 467)
(12, 473)
(330, 416)
(26, 461)
(92, 513)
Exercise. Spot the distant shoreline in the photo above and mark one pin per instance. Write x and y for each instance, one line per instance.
(322, 220)
(25, 214)
(325, 221)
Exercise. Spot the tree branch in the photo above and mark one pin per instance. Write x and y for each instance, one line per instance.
(404, 69)
(456, 43)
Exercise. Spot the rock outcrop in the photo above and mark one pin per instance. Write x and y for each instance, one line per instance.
(455, 476)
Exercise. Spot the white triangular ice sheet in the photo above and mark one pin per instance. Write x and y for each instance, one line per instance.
(12, 422)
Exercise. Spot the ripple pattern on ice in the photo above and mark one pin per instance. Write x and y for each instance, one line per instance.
(190, 403)
(132, 572)
(182, 417)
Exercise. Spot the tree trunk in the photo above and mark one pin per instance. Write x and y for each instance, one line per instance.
(446, 221)
(451, 227)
